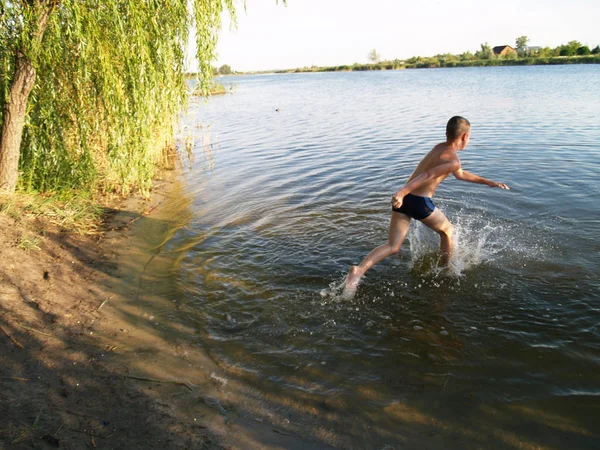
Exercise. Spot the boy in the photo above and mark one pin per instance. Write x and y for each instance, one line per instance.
(413, 201)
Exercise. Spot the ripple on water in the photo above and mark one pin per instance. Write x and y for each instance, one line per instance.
(294, 197)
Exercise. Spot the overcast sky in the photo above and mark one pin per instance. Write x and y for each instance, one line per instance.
(335, 32)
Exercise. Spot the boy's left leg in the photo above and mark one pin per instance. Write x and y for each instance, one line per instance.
(438, 222)
(399, 225)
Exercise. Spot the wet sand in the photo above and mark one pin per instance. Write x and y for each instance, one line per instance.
(83, 364)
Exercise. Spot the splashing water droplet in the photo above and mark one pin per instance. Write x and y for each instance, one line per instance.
(477, 240)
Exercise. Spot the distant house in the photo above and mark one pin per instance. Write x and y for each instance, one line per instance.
(504, 50)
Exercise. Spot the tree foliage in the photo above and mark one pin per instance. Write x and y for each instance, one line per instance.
(373, 56)
(109, 84)
(570, 49)
(485, 52)
(584, 50)
(521, 42)
(225, 69)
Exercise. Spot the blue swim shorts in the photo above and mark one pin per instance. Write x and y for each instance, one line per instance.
(418, 208)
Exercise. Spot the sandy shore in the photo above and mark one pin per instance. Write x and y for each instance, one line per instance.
(85, 365)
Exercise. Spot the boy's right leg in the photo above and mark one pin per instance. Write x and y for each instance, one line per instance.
(399, 225)
(438, 222)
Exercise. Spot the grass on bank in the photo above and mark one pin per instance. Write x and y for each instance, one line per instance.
(28, 243)
(69, 212)
(218, 89)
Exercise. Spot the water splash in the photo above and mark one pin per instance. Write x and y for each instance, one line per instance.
(476, 241)
(336, 291)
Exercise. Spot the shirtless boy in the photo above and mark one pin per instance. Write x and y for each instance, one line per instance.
(413, 201)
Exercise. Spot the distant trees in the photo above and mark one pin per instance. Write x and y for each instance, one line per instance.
(575, 48)
(373, 56)
(521, 42)
(486, 52)
(584, 50)
(546, 52)
(485, 56)
(570, 49)
(446, 59)
(225, 70)
(467, 56)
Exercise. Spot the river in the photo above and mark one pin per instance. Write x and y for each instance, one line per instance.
(287, 182)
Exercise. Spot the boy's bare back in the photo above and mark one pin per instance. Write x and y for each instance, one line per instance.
(442, 153)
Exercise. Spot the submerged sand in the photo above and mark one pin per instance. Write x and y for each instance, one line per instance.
(84, 366)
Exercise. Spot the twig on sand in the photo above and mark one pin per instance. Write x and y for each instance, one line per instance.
(87, 432)
(145, 213)
(59, 428)
(187, 384)
(14, 341)
(28, 429)
(21, 437)
(76, 414)
(103, 303)
(37, 419)
(283, 433)
(33, 330)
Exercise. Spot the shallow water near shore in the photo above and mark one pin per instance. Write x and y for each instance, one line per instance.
(289, 183)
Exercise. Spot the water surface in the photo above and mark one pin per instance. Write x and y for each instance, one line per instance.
(290, 183)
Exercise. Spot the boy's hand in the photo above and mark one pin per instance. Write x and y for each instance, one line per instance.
(500, 185)
(397, 199)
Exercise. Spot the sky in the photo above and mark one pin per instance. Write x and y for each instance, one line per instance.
(272, 36)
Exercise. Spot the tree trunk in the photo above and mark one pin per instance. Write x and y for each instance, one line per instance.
(16, 104)
(14, 120)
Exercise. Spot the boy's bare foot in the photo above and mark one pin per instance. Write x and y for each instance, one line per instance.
(352, 280)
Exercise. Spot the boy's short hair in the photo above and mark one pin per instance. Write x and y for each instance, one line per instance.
(456, 126)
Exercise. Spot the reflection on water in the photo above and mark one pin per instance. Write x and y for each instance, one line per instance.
(501, 352)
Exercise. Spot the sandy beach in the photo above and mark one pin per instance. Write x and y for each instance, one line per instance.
(83, 363)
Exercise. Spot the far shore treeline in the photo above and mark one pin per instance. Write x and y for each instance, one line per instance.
(521, 55)
(436, 62)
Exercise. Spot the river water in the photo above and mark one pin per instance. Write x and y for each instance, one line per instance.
(287, 182)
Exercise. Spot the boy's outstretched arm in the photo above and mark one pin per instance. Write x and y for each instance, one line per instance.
(472, 178)
(423, 179)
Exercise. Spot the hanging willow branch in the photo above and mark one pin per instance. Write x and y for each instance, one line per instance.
(109, 86)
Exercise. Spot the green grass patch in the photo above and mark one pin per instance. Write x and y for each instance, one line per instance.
(30, 243)
(68, 211)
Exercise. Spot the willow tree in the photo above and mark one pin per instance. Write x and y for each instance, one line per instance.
(90, 89)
